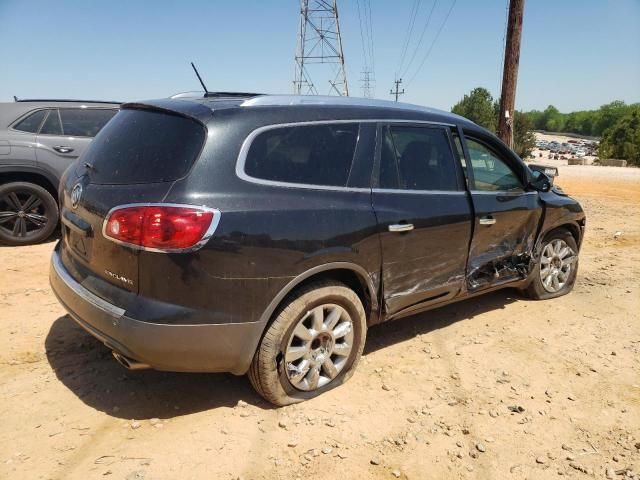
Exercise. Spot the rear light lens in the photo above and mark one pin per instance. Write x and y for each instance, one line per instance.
(160, 227)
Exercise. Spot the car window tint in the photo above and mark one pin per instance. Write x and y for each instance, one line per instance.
(140, 146)
(307, 154)
(424, 158)
(77, 122)
(388, 162)
(458, 144)
(32, 122)
(52, 124)
(490, 172)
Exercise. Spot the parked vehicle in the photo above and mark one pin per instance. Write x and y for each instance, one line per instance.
(264, 234)
(38, 141)
(580, 153)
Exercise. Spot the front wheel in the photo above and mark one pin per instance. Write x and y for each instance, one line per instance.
(28, 213)
(557, 268)
(312, 346)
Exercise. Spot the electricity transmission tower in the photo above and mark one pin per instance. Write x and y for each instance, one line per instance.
(319, 42)
(367, 82)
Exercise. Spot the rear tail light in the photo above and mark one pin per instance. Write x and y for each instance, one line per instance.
(161, 227)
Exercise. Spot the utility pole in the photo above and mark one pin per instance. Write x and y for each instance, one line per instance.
(397, 92)
(510, 73)
(319, 41)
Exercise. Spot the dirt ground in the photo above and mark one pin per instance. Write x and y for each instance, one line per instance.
(494, 387)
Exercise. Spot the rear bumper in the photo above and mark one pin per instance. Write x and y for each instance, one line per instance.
(182, 348)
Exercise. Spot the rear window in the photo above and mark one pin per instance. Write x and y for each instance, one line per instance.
(84, 122)
(305, 154)
(142, 146)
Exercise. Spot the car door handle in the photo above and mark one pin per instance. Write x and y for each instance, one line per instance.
(401, 227)
(488, 220)
(63, 149)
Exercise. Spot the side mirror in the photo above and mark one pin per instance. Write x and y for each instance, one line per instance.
(540, 181)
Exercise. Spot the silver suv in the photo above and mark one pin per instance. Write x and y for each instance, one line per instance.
(39, 139)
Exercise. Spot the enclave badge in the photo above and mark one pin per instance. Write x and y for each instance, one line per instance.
(76, 193)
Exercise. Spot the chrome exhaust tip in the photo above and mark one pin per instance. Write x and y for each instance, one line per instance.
(129, 363)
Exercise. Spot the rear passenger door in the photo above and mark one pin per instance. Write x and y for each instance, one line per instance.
(66, 133)
(423, 213)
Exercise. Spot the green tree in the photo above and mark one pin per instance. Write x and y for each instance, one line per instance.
(478, 107)
(524, 141)
(622, 140)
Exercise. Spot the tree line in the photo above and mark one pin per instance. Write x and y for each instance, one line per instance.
(584, 122)
(617, 123)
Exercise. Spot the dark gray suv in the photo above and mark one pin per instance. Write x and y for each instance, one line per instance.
(39, 139)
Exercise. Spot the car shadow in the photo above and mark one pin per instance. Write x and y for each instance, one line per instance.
(85, 366)
(396, 331)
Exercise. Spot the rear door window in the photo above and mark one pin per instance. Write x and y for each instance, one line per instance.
(31, 123)
(417, 158)
(143, 146)
(81, 122)
(52, 125)
(304, 154)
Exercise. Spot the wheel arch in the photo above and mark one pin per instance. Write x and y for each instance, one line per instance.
(354, 276)
(31, 175)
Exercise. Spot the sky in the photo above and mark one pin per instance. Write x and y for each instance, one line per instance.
(576, 54)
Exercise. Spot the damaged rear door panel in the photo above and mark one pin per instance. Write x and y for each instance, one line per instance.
(506, 217)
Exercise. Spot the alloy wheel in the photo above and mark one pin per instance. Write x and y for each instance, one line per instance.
(556, 262)
(22, 214)
(319, 347)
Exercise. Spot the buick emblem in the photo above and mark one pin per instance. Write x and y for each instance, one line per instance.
(76, 193)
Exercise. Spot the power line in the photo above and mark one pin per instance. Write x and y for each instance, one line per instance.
(433, 43)
(424, 30)
(407, 38)
(371, 49)
(504, 40)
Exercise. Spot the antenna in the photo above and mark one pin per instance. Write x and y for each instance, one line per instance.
(200, 79)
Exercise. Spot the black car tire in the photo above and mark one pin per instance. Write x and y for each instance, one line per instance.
(536, 289)
(43, 211)
(267, 372)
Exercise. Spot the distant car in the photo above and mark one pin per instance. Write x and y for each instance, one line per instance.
(39, 139)
(580, 153)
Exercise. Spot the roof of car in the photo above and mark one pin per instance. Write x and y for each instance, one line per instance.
(196, 105)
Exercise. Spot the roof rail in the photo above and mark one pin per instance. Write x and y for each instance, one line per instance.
(286, 100)
(60, 100)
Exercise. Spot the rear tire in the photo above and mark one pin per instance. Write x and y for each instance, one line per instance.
(556, 271)
(313, 344)
(28, 213)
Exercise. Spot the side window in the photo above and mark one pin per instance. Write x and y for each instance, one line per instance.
(78, 122)
(32, 123)
(307, 154)
(52, 125)
(423, 157)
(458, 144)
(490, 172)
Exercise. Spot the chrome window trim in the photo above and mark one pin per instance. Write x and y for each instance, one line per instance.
(208, 234)
(246, 145)
(420, 192)
(503, 192)
(81, 291)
